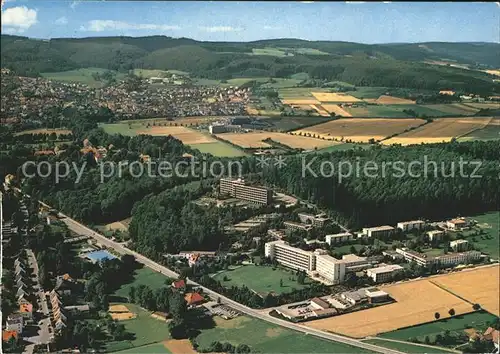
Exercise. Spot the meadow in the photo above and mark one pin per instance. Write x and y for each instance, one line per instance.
(407, 347)
(83, 76)
(489, 132)
(489, 240)
(268, 338)
(142, 276)
(261, 279)
(155, 348)
(219, 148)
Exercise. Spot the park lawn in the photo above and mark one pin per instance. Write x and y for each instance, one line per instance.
(268, 338)
(143, 276)
(489, 223)
(146, 349)
(406, 347)
(262, 279)
(219, 149)
(477, 320)
(147, 330)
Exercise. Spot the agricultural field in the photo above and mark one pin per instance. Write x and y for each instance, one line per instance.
(284, 124)
(452, 109)
(489, 132)
(83, 76)
(477, 286)
(179, 346)
(478, 320)
(321, 111)
(370, 92)
(142, 276)
(155, 348)
(373, 111)
(145, 328)
(334, 97)
(407, 347)
(334, 108)
(186, 135)
(360, 130)
(275, 52)
(264, 337)
(488, 105)
(440, 130)
(219, 148)
(300, 92)
(148, 73)
(261, 279)
(254, 140)
(393, 100)
(416, 303)
(44, 131)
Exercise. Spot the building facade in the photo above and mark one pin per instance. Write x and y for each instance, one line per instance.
(383, 274)
(329, 268)
(435, 235)
(338, 238)
(289, 256)
(407, 226)
(378, 231)
(238, 189)
(459, 245)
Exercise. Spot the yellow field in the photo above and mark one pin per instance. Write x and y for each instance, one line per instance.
(120, 312)
(44, 131)
(393, 100)
(334, 108)
(417, 301)
(179, 346)
(480, 286)
(318, 108)
(440, 130)
(334, 97)
(299, 101)
(360, 129)
(254, 140)
(186, 135)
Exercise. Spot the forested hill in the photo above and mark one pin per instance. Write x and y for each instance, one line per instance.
(395, 65)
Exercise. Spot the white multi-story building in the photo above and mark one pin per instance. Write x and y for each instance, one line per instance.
(378, 231)
(383, 273)
(459, 245)
(444, 260)
(329, 268)
(338, 238)
(406, 226)
(456, 224)
(435, 235)
(289, 256)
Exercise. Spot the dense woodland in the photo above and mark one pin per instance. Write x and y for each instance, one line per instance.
(394, 65)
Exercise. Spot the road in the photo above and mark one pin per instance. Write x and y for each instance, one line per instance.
(119, 248)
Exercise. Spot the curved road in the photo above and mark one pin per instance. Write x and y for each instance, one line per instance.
(84, 230)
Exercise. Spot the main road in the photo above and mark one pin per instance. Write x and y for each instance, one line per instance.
(81, 229)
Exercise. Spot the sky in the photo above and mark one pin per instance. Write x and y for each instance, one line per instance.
(352, 21)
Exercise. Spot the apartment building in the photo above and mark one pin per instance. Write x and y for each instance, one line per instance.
(291, 225)
(459, 245)
(445, 260)
(314, 220)
(378, 231)
(383, 273)
(407, 226)
(329, 268)
(289, 256)
(238, 189)
(276, 234)
(456, 224)
(435, 235)
(338, 238)
(355, 263)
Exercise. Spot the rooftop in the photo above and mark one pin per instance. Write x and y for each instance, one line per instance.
(380, 228)
(385, 268)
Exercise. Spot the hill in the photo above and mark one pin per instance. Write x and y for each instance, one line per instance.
(389, 65)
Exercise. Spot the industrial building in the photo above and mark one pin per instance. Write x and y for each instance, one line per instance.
(407, 226)
(383, 273)
(238, 189)
(378, 231)
(338, 238)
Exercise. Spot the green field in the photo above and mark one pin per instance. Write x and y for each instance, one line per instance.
(83, 76)
(450, 109)
(489, 240)
(262, 279)
(147, 73)
(343, 147)
(490, 132)
(406, 347)
(121, 128)
(146, 349)
(476, 320)
(267, 338)
(368, 92)
(372, 111)
(300, 92)
(147, 330)
(271, 51)
(284, 124)
(219, 148)
(143, 276)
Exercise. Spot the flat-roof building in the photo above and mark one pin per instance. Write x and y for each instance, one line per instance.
(292, 225)
(406, 226)
(456, 224)
(314, 220)
(445, 260)
(289, 256)
(459, 245)
(330, 268)
(383, 273)
(338, 238)
(238, 189)
(378, 231)
(435, 235)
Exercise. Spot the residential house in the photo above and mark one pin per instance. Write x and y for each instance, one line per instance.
(179, 284)
(7, 335)
(26, 310)
(194, 299)
(15, 322)
(456, 224)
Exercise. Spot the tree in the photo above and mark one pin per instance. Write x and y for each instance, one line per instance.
(281, 283)
(427, 340)
(131, 294)
(476, 307)
(437, 315)
(452, 312)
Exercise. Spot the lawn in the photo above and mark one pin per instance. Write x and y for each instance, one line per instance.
(285, 124)
(120, 128)
(83, 76)
(146, 349)
(476, 320)
(143, 276)
(262, 279)
(405, 347)
(267, 338)
(147, 330)
(219, 149)
(487, 242)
